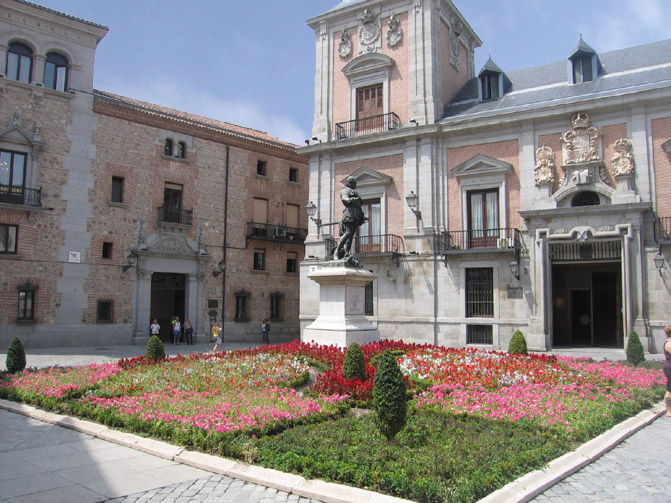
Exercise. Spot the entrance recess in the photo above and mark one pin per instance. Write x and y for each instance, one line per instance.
(167, 300)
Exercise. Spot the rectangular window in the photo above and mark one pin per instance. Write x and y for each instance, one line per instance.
(261, 168)
(483, 218)
(259, 260)
(292, 262)
(276, 306)
(490, 86)
(105, 311)
(369, 300)
(27, 304)
(117, 189)
(172, 203)
(582, 70)
(241, 306)
(480, 292)
(292, 211)
(293, 175)
(12, 168)
(8, 234)
(370, 232)
(479, 334)
(260, 216)
(107, 250)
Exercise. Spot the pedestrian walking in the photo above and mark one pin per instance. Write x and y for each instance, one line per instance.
(265, 330)
(188, 331)
(154, 328)
(177, 331)
(216, 335)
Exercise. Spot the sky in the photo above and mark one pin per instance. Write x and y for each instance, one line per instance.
(252, 62)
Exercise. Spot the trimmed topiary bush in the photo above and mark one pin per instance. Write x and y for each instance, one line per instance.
(518, 344)
(155, 349)
(16, 356)
(635, 353)
(389, 397)
(354, 366)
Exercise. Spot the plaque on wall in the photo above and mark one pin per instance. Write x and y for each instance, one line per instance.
(354, 300)
(514, 292)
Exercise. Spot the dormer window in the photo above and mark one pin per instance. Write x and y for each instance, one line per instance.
(583, 64)
(491, 81)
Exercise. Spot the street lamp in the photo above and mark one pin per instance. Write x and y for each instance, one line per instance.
(311, 208)
(659, 261)
(515, 269)
(131, 259)
(413, 201)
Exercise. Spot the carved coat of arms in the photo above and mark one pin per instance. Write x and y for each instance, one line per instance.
(369, 32)
(622, 162)
(395, 33)
(581, 144)
(345, 45)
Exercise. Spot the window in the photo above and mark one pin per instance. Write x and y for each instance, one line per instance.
(19, 62)
(276, 305)
(167, 148)
(292, 261)
(181, 150)
(117, 189)
(55, 72)
(369, 299)
(105, 311)
(371, 230)
(241, 301)
(27, 294)
(292, 211)
(261, 168)
(369, 103)
(585, 198)
(490, 86)
(480, 292)
(479, 334)
(259, 259)
(12, 168)
(293, 175)
(172, 203)
(582, 69)
(483, 218)
(8, 235)
(107, 250)
(260, 216)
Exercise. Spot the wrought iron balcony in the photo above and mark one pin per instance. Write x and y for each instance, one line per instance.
(663, 230)
(506, 239)
(20, 195)
(184, 217)
(367, 125)
(276, 233)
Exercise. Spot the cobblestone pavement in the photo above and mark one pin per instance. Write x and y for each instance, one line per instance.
(634, 471)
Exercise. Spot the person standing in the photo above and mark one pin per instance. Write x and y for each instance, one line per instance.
(265, 330)
(188, 331)
(667, 369)
(154, 328)
(176, 330)
(216, 335)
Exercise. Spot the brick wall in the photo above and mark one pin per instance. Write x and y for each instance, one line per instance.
(661, 132)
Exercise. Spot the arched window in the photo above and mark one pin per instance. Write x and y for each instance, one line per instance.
(167, 150)
(19, 62)
(56, 72)
(585, 198)
(181, 150)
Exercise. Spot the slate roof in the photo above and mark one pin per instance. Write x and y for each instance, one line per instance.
(195, 120)
(621, 71)
(25, 2)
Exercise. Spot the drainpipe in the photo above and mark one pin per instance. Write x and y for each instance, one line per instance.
(223, 276)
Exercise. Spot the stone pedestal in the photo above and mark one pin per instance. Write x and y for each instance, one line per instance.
(341, 319)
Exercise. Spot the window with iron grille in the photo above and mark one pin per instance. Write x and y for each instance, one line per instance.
(480, 292)
(27, 297)
(479, 334)
(276, 305)
(8, 235)
(369, 300)
(105, 311)
(241, 305)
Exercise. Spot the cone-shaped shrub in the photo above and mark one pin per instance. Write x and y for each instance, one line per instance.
(16, 356)
(354, 366)
(635, 353)
(155, 349)
(518, 344)
(389, 397)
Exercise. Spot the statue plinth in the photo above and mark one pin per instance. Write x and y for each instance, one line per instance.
(342, 318)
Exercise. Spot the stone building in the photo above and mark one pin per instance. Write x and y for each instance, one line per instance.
(497, 200)
(114, 212)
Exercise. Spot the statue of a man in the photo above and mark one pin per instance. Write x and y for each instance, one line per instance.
(352, 218)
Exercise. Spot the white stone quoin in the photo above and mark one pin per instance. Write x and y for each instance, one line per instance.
(341, 319)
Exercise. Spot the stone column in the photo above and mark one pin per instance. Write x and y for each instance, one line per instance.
(142, 305)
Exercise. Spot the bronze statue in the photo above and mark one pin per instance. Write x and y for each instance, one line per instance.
(352, 218)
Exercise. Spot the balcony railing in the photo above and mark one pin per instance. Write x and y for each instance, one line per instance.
(278, 233)
(367, 125)
(663, 228)
(480, 240)
(184, 217)
(382, 244)
(20, 195)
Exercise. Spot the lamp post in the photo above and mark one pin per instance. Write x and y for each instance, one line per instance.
(413, 202)
(659, 261)
(311, 209)
(131, 260)
(515, 269)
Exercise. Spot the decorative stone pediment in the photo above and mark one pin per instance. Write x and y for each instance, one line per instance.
(481, 165)
(544, 170)
(366, 176)
(581, 143)
(17, 133)
(368, 63)
(172, 243)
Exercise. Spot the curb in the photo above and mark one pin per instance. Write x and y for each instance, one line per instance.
(521, 490)
(326, 492)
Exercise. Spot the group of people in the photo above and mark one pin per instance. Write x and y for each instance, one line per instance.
(177, 329)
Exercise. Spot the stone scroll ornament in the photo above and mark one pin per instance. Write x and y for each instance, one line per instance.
(545, 166)
(581, 144)
(345, 45)
(455, 46)
(395, 33)
(622, 163)
(369, 32)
